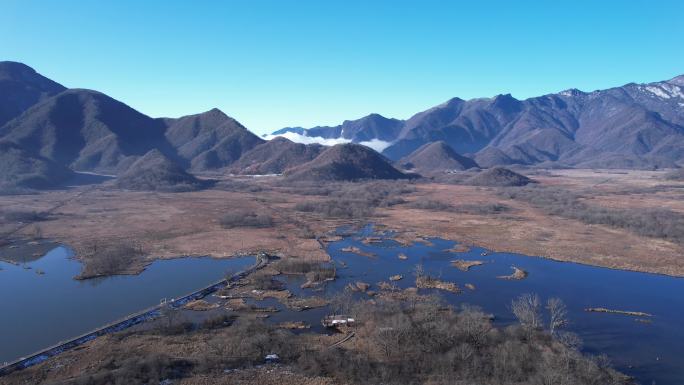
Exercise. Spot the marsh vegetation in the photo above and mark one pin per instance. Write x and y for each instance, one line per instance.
(650, 222)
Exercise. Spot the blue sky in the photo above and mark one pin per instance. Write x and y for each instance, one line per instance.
(272, 64)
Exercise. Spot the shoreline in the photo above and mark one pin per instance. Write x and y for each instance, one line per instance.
(261, 260)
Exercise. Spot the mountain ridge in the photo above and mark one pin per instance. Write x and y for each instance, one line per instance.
(634, 125)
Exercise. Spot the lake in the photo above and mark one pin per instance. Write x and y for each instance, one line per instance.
(39, 310)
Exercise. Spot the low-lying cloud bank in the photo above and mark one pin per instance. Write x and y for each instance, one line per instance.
(376, 144)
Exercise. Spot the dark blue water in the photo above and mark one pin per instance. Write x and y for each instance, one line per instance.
(650, 352)
(37, 311)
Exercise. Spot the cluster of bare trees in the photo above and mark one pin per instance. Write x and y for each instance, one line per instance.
(400, 342)
(26, 216)
(650, 222)
(528, 310)
(112, 257)
(246, 218)
(428, 343)
(353, 200)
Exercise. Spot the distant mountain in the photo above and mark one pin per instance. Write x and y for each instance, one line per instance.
(53, 129)
(20, 88)
(87, 131)
(498, 177)
(346, 162)
(492, 156)
(210, 140)
(436, 157)
(275, 156)
(156, 172)
(633, 126)
(373, 126)
(21, 169)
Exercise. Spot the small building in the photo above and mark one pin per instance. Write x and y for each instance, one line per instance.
(271, 358)
(332, 321)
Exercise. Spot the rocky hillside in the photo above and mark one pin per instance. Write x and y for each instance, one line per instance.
(210, 140)
(632, 126)
(346, 162)
(498, 177)
(275, 156)
(436, 157)
(20, 88)
(21, 169)
(156, 172)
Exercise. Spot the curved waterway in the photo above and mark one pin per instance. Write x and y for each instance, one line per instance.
(649, 348)
(39, 310)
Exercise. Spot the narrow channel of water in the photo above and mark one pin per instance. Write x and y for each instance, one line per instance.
(39, 310)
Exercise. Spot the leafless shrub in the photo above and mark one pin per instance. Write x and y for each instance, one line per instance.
(246, 218)
(656, 223)
(527, 310)
(240, 186)
(26, 216)
(482, 209)
(113, 257)
(429, 204)
(337, 208)
(354, 200)
(130, 369)
(299, 266)
(426, 344)
(321, 274)
(37, 232)
(421, 344)
(262, 281)
(558, 314)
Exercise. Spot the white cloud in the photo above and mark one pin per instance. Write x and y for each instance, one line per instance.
(298, 138)
(376, 144)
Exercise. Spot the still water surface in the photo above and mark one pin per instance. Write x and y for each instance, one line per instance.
(37, 310)
(649, 351)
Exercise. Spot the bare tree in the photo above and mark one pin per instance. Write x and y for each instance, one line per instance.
(342, 302)
(571, 340)
(37, 232)
(474, 324)
(419, 270)
(170, 314)
(527, 310)
(558, 314)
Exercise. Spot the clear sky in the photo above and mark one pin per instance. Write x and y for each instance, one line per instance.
(272, 64)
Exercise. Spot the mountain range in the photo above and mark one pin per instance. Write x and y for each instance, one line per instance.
(633, 126)
(47, 131)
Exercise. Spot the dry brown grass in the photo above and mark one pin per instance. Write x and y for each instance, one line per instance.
(170, 225)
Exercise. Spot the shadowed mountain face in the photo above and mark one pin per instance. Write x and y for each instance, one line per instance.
(346, 162)
(633, 126)
(498, 177)
(210, 140)
(53, 128)
(436, 157)
(20, 88)
(87, 131)
(156, 172)
(275, 156)
(21, 169)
